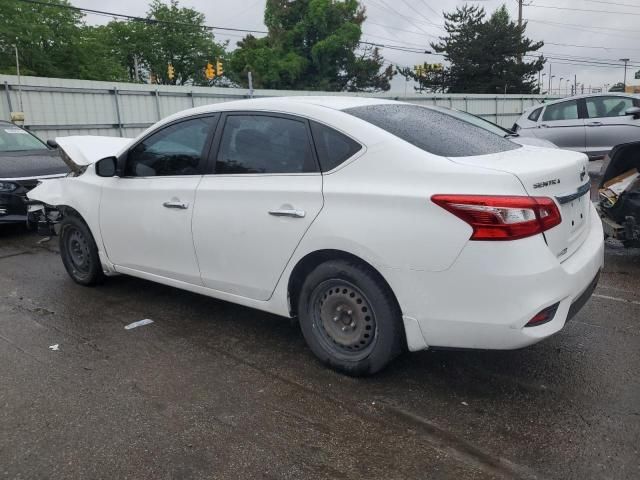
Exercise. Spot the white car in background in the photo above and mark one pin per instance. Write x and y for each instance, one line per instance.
(382, 226)
(592, 124)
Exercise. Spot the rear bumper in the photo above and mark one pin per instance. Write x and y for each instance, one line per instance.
(494, 288)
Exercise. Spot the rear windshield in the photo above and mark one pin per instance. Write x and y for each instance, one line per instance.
(433, 131)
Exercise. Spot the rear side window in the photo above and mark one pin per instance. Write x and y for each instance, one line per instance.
(533, 116)
(264, 144)
(333, 147)
(602, 107)
(432, 131)
(561, 111)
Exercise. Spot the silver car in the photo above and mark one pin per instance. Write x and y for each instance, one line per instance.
(592, 124)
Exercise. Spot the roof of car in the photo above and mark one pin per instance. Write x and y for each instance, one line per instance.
(592, 95)
(335, 102)
(282, 104)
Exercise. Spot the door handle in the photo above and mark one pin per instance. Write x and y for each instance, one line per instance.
(594, 124)
(288, 213)
(177, 205)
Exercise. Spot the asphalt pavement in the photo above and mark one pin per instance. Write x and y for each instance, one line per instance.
(214, 390)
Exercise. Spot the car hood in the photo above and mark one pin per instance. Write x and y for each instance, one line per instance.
(31, 164)
(80, 151)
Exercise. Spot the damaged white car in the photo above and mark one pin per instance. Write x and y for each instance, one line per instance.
(382, 226)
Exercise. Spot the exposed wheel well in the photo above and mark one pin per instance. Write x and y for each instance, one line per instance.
(306, 264)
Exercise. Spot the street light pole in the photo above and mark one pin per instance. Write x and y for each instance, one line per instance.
(626, 61)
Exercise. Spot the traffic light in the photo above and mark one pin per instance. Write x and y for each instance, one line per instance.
(171, 72)
(209, 72)
(219, 70)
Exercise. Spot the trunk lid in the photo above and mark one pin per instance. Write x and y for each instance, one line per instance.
(82, 150)
(559, 174)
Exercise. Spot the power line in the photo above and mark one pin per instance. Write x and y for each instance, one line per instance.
(368, 22)
(420, 13)
(583, 10)
(383, 5)
(589, 46)
(139, 19)
(614, 3)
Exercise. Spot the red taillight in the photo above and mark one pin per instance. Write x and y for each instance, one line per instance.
(495, 217)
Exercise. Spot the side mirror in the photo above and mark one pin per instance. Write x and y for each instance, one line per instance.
(635, 111)
(107, 167)
(52, 143)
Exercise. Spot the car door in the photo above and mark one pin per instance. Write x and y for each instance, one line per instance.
(608, 125)
(561, 124)
(145, 214)
(252, 211)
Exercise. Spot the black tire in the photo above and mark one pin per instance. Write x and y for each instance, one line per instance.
(79, 252)
(350, 318)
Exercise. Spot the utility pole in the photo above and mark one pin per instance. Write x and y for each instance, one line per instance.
(520, 24)
(520, 13)
(550, 77)
(575, 84)
(135, 68)
(15, 46)
(250, 79)
(626, 61)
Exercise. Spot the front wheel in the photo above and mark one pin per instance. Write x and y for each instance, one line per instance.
(350, 318)
(79, 252)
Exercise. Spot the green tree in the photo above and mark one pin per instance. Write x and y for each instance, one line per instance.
(311, 44)
(176, 35)
(45, 36)
(488, 56)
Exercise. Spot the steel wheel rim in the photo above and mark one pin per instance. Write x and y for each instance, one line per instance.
(344, 319)
(78, 252)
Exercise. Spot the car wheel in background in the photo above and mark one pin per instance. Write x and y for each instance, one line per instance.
(349, 318)
(79, 252)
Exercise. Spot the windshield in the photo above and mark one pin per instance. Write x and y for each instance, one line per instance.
(475, 120)
(433, 130)
(15, 139)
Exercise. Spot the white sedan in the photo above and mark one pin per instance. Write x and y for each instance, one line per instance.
(381, 226)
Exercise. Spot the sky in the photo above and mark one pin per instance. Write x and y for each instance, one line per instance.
(606, 33)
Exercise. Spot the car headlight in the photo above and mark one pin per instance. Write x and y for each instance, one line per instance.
(7, 187)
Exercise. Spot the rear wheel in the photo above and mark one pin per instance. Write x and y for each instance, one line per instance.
(79, 252)
(350, 318)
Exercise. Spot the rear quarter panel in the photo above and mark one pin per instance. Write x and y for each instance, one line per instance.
(378, 208)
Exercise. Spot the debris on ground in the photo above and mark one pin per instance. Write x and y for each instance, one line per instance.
(55, 347)
(139, 323)
(613, 188)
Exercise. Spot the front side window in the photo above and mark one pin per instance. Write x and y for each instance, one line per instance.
(561, 111)
(608, 106)
(533, 116)
(264, 144)
(174, 150)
